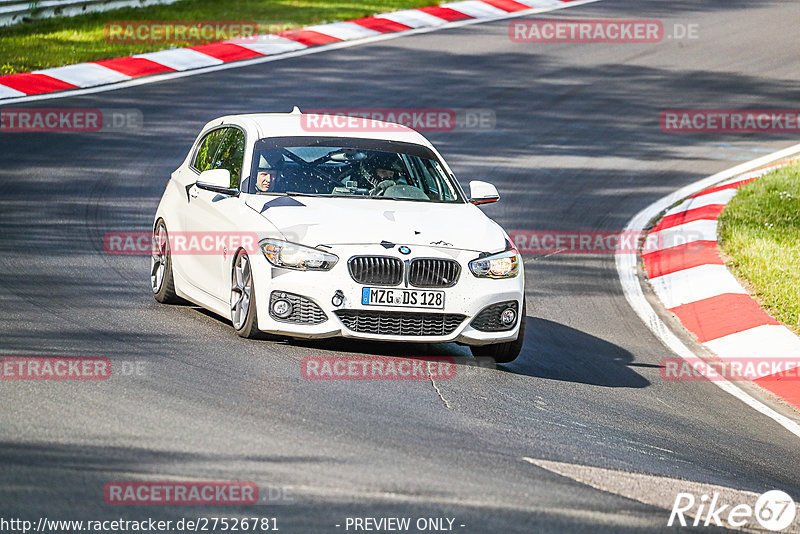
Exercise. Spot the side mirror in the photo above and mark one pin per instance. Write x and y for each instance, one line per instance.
(482, 193)
(216, 180)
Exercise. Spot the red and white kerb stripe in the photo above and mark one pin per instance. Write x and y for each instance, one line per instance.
(122, 69)
(688, 274)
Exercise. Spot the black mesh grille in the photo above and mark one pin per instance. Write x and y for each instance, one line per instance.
(376, 270)
(400, 323)
(303, 310)
(432, 272)
(488, 320)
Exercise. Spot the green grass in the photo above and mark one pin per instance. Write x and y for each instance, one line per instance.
(760, 234)
(66, 40)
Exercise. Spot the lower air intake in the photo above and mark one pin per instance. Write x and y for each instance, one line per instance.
(400, 323)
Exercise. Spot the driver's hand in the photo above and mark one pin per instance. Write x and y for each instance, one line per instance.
(381, 187)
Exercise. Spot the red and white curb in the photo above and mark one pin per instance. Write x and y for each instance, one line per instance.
(695, 285)
(16, 87)
(688, 274)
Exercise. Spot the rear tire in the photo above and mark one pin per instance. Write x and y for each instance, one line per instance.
(243, 298)
(504, 352)
(161, 280)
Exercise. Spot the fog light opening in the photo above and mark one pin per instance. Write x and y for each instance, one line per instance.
(282, 308)
(508, 316)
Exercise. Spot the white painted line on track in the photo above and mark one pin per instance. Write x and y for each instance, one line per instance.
(660, 492)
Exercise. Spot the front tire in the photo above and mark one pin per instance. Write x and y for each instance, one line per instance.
(161, 280)
(243, 297)
(504, 352)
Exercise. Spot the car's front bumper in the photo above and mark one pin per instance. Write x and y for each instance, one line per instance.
(468, 297)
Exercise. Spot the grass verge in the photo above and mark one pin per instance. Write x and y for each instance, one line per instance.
(760, 234)
(62, 41)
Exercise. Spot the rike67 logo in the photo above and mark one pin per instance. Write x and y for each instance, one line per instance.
(774, 510)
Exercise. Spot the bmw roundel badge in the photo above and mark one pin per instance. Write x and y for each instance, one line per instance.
(404, 250)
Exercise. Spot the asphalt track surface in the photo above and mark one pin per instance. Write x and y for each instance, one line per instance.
(577, 147)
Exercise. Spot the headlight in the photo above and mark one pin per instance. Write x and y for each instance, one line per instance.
(291, 256)
(501, 265)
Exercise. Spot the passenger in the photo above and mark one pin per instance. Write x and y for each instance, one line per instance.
(387, 172)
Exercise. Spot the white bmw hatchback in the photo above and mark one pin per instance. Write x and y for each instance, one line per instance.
(363, 233)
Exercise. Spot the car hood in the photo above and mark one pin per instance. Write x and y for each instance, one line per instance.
(315, 221)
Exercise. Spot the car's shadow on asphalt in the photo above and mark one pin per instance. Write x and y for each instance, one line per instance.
(558, 352)
(552, 351)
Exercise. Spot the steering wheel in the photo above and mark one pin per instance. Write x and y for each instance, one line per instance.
(381, 188)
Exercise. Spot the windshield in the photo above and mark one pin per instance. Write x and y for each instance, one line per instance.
(355, 168)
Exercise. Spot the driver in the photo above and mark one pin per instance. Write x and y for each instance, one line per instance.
(267, 171)
(264, 179)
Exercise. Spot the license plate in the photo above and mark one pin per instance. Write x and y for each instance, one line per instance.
(402, 298)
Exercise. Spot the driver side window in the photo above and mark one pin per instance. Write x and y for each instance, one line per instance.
(204, 156)
(231, 154)
(222, 149)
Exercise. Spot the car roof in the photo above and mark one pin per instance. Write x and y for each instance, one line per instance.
(297, 124)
